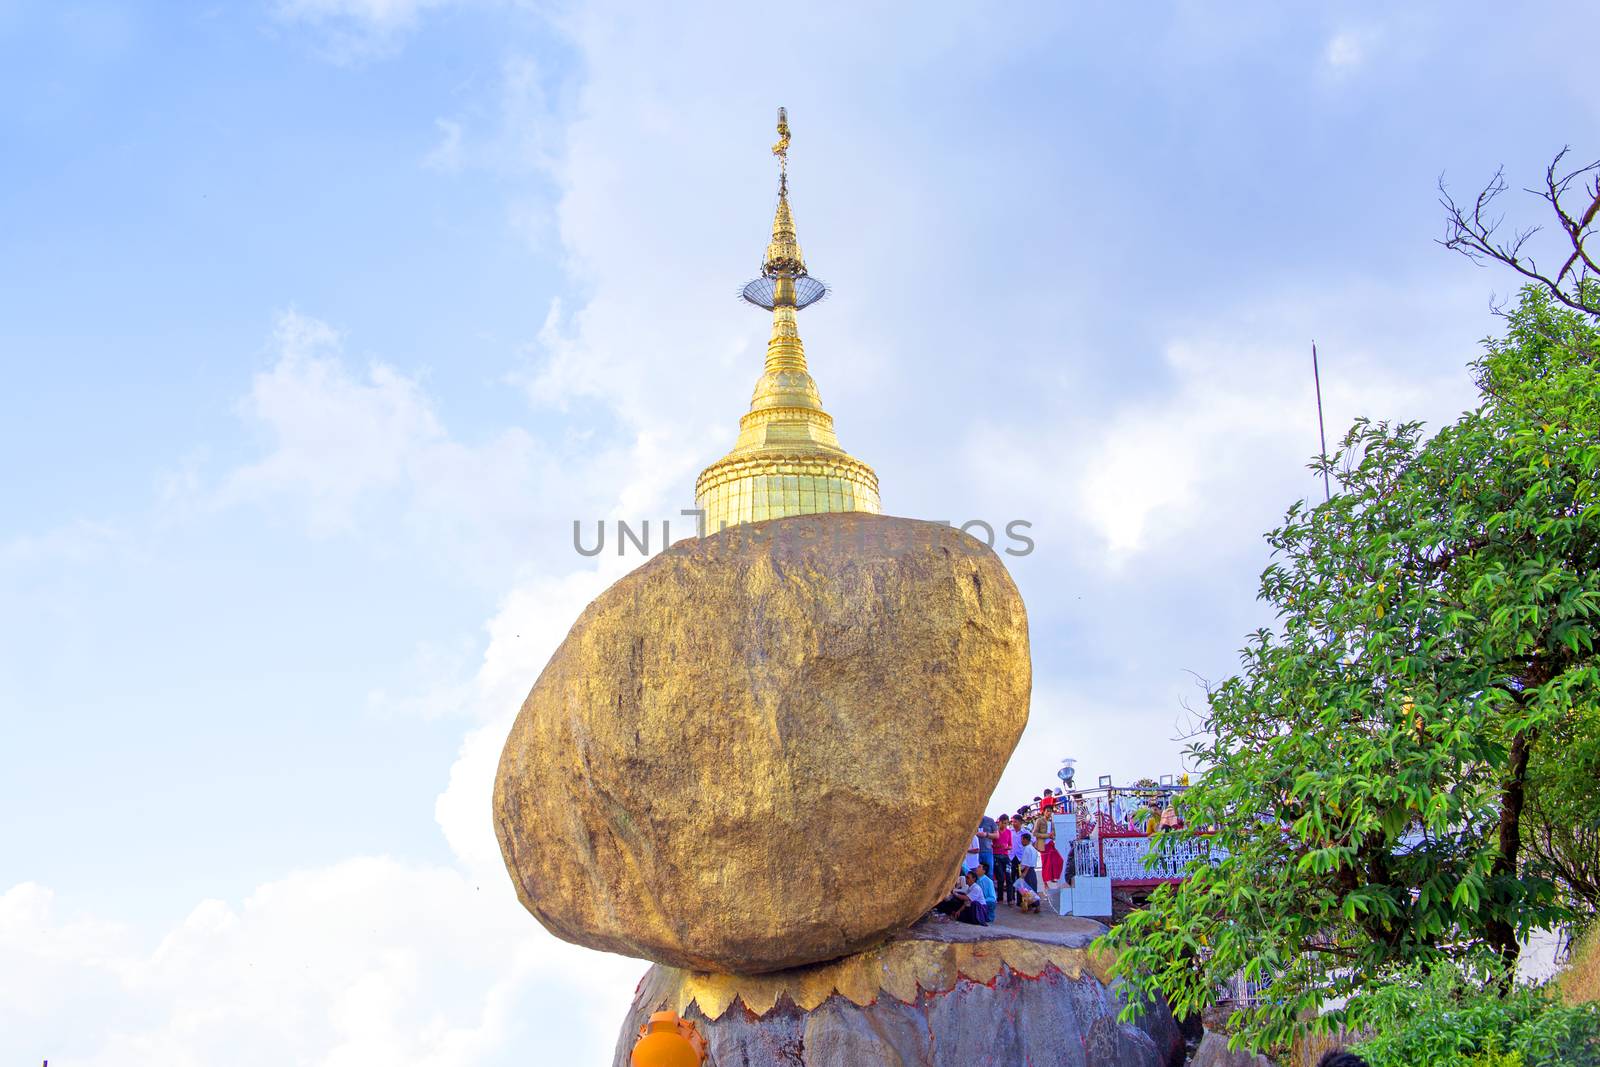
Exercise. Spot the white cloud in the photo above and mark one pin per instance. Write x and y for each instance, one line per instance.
(445, 155)
(367, 961)
(513, 133)
(384, 14)
(365, 451)
(1351, 48)
(45, 957)
(335, 437)
(1217, 449)
(351, 31)
(1162, 466)
(74, 543)
(1107, 731)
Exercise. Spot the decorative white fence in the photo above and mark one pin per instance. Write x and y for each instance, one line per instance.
(1126, 858)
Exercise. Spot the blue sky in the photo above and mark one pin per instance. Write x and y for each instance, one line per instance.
(323, 319)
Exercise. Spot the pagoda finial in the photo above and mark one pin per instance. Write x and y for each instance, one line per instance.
(784, 282)
(784, 260)
(781, 149)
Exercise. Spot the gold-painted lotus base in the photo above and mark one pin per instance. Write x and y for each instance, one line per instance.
(904, 969)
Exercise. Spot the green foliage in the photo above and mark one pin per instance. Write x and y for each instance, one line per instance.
(1455, 1015)
(1561, 828)
(1496, 1059)
(1434, 620)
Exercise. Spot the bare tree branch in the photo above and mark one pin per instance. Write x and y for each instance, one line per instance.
(1577, 230)
(1476, 231)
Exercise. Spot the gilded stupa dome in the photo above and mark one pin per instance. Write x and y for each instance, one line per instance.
(786, 460)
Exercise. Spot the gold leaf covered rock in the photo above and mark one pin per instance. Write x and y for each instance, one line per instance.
(767, 747)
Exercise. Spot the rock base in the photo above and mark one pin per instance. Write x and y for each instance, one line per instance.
(917, 1001)
(1214, 1052)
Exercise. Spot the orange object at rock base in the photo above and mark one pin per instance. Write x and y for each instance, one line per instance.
(668, 1041)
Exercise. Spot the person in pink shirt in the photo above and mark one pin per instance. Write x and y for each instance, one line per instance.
(1004, 864)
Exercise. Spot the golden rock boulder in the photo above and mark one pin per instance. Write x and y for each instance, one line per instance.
(768, 747)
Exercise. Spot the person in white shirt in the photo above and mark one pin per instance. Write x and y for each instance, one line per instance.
(971, 862)
(1028, 863)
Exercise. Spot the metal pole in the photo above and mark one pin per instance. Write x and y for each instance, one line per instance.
(1322, 434)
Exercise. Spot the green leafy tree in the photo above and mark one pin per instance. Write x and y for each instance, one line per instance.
(1366, 772)
(1561, 825)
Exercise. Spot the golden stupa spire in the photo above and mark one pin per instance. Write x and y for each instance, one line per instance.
(786, 460)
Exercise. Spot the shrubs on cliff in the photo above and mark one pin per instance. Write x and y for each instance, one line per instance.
(1455, 1014)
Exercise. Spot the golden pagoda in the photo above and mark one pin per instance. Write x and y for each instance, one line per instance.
(786, 460)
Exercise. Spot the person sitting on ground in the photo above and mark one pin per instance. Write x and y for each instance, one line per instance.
(990, 898)
(1027, 899)
(957, 899)
(966, 903)
(977, 911)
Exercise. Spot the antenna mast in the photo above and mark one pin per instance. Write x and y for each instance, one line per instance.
(1322, 434)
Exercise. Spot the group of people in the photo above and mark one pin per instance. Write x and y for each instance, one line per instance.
(1013, 858)
(1010, 860)
(1136, 811)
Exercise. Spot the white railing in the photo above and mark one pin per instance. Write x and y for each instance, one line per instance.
(1127, 857)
